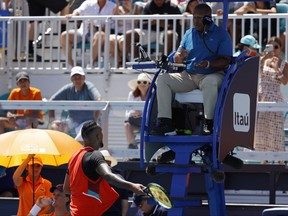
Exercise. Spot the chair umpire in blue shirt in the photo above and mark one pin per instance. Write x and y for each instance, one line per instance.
(207, 50)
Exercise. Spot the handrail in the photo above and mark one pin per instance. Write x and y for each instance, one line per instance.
(70, 105)
(272, 106)
(17, 38)
(103, 105)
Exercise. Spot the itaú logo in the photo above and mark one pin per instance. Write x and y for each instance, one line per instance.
(241, 112)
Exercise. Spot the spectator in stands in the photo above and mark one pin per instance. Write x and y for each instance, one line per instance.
(7, 188)
(249, 43)
(133, 120)
(121, 205)
(141, 201)
(78, 90)
(88, 165)
(259, 7)
(38, 8)
(25, 184)
(116, 40)
(139, 6)
(21, 119)
(153, 7)
(87, 8)
(273, 73)
(191, 4)
(217, 8)
(59, 203)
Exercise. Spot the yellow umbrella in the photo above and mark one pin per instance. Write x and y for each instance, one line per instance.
(54, 147)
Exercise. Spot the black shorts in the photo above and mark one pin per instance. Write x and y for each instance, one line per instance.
(136, 122)
(37, 7)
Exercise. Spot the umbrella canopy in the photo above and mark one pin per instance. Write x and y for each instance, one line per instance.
(55, 148)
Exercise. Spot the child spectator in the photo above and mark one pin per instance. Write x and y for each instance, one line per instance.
(249, 43)
(141, 201)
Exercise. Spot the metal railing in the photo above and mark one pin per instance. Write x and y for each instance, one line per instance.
(14, 51)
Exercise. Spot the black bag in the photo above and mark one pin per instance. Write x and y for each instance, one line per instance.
(187, 117)
(135, 121)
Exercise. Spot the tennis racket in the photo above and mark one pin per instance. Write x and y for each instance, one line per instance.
(159, 194)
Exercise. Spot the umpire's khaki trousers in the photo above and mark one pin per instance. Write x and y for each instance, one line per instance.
(170, 83)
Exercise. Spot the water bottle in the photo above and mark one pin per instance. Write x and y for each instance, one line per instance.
(47, 201)
(41, 203)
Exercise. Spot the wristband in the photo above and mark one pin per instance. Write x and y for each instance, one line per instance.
(35, 210)
(208, 64)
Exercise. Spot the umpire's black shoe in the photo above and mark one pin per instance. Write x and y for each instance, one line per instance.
(164, 127)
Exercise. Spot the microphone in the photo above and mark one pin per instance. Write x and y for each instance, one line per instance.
(207, 21)
(143, 53)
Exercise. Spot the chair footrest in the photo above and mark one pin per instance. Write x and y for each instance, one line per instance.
(180, 168)
(184, 202)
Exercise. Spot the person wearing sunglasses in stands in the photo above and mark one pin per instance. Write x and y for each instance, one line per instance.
(273, 73)
(133, 121)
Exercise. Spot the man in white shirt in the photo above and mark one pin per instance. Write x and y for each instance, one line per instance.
(87, 8)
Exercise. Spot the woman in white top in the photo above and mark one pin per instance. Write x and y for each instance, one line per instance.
(139, 91)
